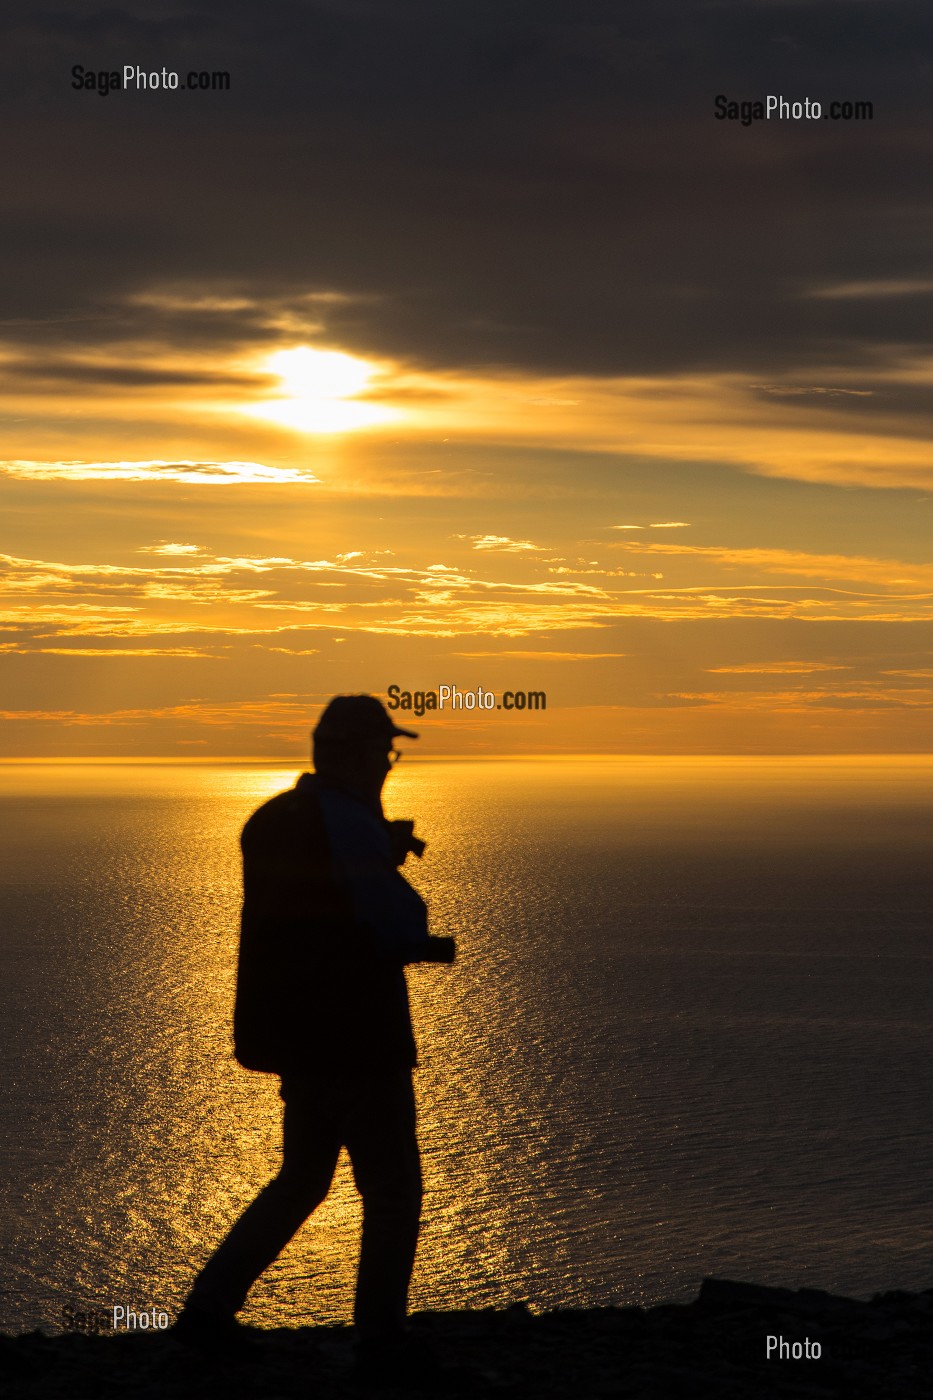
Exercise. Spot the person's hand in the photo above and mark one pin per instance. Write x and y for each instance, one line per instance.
(403, 839)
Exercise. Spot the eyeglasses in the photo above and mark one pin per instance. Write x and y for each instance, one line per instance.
(393, 756)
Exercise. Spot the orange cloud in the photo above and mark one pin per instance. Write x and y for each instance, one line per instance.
(892, 573)
(192, 473)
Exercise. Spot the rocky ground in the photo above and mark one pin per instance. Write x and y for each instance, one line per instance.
(712, 1347)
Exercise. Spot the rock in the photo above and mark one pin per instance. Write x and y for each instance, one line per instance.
(713, 1347)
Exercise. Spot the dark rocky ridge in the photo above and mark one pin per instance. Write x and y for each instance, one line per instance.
(714, 1346)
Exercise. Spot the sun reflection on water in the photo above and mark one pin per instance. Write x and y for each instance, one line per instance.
(638, 945)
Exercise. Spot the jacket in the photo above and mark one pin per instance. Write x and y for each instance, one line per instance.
(320, 974)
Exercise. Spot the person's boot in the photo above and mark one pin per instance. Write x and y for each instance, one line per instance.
(215, 1333)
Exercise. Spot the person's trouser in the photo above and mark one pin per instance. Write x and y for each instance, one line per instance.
(374, 1118)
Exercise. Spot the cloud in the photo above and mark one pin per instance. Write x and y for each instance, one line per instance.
(189, 300)
(194, 473)
(257, 712)
(170, 549)
(795, 391)
(204, 600)
(85, 376)
(500, 542)
(837, 431)
(604, 573)
(863, 698)
(777, 668)
(187, 652)
(547, 655)
(885, 573)
(372, 596)
(890, 288)
(530, 223)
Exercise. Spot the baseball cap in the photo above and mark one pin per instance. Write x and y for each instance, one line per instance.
(357, 717)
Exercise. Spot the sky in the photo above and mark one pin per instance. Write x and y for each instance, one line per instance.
(464, 345)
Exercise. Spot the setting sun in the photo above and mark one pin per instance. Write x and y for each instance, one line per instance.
(320, 388)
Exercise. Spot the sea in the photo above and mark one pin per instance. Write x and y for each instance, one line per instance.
(689, 1032)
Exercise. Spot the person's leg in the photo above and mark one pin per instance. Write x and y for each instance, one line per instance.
(383, 1146)
(311, 1141)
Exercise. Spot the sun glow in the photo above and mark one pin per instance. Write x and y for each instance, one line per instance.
(320, 389)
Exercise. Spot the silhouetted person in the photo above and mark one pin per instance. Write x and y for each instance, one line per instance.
(328, 924)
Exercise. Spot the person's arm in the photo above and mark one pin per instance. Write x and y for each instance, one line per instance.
(390, 913)
(394, 915)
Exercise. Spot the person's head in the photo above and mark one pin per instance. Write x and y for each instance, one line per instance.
(352, 742)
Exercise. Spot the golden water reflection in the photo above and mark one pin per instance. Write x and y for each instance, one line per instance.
(666, 971)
